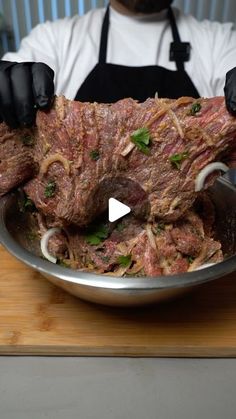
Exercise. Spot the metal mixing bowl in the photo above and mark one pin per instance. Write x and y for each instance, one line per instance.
(123, 291)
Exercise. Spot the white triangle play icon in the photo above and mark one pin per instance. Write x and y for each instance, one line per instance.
(116, 209)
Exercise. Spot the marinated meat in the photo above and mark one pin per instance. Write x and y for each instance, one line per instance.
(135, 248)
(87, 150)
(145, 154)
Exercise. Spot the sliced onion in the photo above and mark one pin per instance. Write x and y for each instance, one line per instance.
(52, 159)
(122, 248)
(151, 237)
(204, 266)
(136, 268)
(128, 149)
(176, 123)
(119, 272)
(44, 243)
(202, 175)
(60, 106)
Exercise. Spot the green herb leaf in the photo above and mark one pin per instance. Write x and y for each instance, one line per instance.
(50, 189)
(141, 138)
(190, 259)
(102, 232)
(176, 159)
(26, 205)
(124, 261)
(105, 259)
(61, 262)
(160, 228)
(31, 236)
(96, 235)
(27, 140)
(94, 154)
(120, 227)
(195, 108)
(93, 239)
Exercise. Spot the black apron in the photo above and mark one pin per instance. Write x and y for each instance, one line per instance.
(108, 83)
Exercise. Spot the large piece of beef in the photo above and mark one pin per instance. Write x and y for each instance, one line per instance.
(81, 154)
(133, 247)
(16, 160)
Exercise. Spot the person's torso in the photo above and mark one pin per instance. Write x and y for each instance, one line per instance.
(109, 82)
(142, 41)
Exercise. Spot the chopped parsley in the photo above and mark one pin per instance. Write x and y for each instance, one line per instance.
(195, 108)
(120, 227)
(105, 259)
(31, 236)
(96, 235)
(26, 205)
(94, 154)
(160, 228)
(62, 263)
(93, 239)
(124, 261)
(141, 138)
(50, 189)
(27, 140)
(176, 159)
(190, 259)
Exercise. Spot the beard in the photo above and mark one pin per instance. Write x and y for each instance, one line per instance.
(146, 6)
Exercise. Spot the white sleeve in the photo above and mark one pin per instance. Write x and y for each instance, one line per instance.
(223, 55)
(39, 46)
(62, 45)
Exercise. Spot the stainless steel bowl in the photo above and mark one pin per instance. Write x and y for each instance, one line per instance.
(123, 291)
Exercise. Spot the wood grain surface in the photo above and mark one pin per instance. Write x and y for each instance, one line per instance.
(39, 318)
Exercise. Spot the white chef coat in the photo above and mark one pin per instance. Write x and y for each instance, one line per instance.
(70, 47)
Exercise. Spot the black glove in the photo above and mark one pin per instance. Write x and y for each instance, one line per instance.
(230, 91)
(24, 87)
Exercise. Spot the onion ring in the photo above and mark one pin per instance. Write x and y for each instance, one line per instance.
(206, 171)
(44, 243)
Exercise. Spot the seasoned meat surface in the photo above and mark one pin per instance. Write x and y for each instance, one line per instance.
(87, 150)
(146, 155)
(80, 154)
(132, 247)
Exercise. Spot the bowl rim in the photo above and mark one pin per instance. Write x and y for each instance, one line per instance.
(81, 278)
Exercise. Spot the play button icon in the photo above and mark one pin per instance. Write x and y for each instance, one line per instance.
(116, 209)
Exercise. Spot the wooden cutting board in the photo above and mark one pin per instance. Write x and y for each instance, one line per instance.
(38, 318)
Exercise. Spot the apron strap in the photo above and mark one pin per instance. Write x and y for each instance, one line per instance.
(179, 51)
(104, 37)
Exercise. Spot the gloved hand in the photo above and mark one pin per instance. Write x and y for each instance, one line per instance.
(24, 88)
(230, 91)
